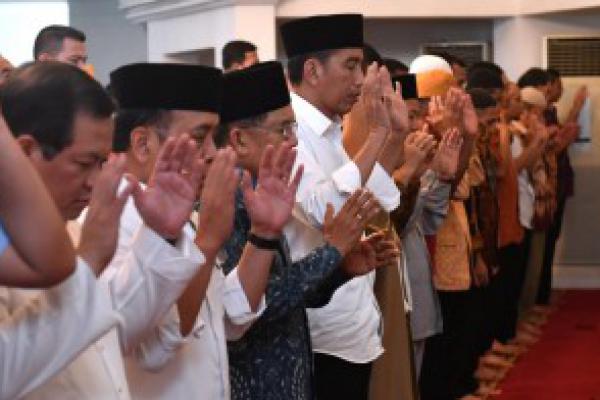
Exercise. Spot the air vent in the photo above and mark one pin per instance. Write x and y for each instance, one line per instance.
(470, 52)
(574, 56)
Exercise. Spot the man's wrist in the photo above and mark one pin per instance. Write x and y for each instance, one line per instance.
(207, 244)
(265, 232)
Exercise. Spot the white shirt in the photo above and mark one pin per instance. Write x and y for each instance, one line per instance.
(39, 338)
(349, 327)
(170, 367)
(526, 191)
(144, 279)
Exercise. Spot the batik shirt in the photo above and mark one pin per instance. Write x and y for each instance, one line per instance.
(274, 358)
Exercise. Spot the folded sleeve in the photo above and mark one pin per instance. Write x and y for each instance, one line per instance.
(238, 313)
(317, 189)
(148, 277)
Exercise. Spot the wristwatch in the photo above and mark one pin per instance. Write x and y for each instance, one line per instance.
(263, 243)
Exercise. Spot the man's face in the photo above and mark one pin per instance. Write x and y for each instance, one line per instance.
(512, 103)
(488, 117)
(70, 174)
(201, 127)
(72, 52)
(460, 75)
(250, 59)
(277, 128)
(545, 89)
(416, 114)
(339, 81)
(556, 91)
(5, 69)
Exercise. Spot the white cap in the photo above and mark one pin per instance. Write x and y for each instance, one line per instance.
(427, 63)
(533, 96)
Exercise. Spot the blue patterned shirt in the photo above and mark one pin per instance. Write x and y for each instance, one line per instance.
(274, 358)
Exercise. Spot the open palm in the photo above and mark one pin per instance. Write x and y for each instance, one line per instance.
(167, 203)
(270, 204)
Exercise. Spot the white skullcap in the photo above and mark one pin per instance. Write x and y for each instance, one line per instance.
(428, 63)
(533, 96)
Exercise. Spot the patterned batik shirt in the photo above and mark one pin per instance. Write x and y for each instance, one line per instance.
(273, 360)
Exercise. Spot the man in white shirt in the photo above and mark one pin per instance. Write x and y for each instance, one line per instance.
(324, 68)
(186, 355)
(67, 142)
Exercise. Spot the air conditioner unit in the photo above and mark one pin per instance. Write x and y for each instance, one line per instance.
(470, 52)
(577, 58)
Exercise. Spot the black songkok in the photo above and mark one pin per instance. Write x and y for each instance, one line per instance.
(322, 32)
(167, 87)
(254, 91)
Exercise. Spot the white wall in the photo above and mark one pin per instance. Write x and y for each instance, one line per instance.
(402, 38)
(211, 30)
(20, 22)
(112, 40)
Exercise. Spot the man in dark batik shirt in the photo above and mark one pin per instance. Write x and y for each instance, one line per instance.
(274, 358)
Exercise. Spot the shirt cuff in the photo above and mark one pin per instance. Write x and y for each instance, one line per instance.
(182, 260)
(347, 178)
(236, 302)
(383, 187)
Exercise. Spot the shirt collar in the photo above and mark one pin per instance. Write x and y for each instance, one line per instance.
(308, 114)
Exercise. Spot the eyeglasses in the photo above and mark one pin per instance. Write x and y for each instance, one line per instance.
(287, 130)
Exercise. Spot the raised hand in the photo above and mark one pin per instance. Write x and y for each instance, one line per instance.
(470, 122)
(345, 229)
(481, 274)
(396, 107)
(270, 204)
(445, 162)
(372, 95)
(100, 231)
(444, 112)
(217, 203)
(373, 252)
(418, 146)
(167, 203)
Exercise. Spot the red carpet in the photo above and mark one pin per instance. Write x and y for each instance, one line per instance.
(565, 363)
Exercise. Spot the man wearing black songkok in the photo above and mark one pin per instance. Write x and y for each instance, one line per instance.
(325, 70)
(274, 359)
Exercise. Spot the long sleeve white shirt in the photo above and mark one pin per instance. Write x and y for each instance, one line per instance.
(39, 338)
(144, 279)
(168, 366)
(349, 327)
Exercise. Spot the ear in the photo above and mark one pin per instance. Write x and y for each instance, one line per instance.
(313, 71)
(239, 141)
(44, 57)
(140, 147)
(30, 147)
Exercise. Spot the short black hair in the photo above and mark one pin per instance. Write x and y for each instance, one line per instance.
(235, 52)
(295, 65)
(553, 75)
(484, 78)
(50, 39)
(450, 59)
(481, 99)
(533, 77)
(487, 65)
(43, 99)
(394, 65)
(127, 120)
